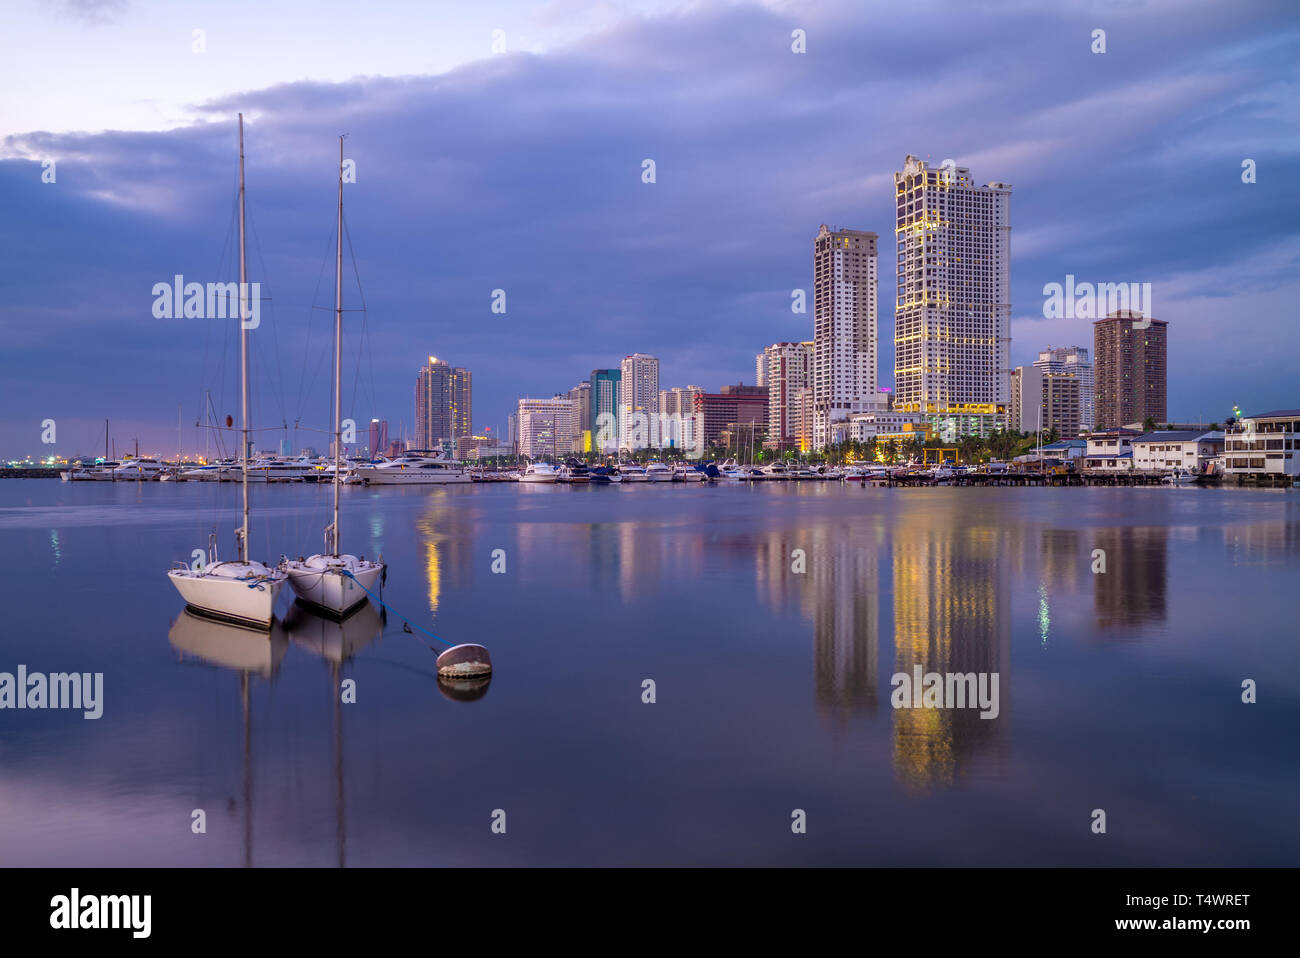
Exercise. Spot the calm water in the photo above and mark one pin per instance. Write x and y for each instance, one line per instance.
(1119, 691)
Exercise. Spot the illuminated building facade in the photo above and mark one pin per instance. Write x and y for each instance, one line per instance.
(952, 318)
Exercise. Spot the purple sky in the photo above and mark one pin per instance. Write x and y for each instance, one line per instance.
(522, 171)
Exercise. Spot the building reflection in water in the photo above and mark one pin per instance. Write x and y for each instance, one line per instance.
(445, 537)
(951, 614)
(1131, 592)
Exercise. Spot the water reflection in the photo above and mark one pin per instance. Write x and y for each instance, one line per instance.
(1131, 592)
(251, 653)
(951, 614)
(336, 641)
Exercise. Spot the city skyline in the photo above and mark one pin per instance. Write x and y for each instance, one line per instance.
(85, 347)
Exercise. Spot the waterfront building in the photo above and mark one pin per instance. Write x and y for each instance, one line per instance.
(787, 369)
(1166, 450)
(1131, 369)
(845, 327)
(1264, 447)
(638, 402)
(952, 319)
(870, 425)
(730, 405)
(1070, 450)
(1073, 360)
(1110, 451)
(444, 404)
(545, 426)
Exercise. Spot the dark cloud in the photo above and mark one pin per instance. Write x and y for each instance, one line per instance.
(523, 172)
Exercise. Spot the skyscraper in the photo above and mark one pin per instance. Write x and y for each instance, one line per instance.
(845, 326)
(444, 404)
(678, 428)
(1046, 400)
(638, 401)
(580, 397)
(952, 320)
(546, 426)
(378, 438)
(1073, 359)
(1130, 353)
(787, 368)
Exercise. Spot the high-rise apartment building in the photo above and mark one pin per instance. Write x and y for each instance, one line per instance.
(787, 368)
(1130, 355)
(1045, 400)
(580, 397)
(731, 405)
(604, 402)
(1073, 359)
(638, 401)
(952, 318)
(678, 428)
(845, 326)
(444, 404)
(377, 441)
(546, 426)
(760, 369)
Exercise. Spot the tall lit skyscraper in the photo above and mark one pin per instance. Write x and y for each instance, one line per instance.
(444, 404)
(1073, 359)
(638, 401)
(1131, 368)
(845, 327)
(952, 319)
(787, 368)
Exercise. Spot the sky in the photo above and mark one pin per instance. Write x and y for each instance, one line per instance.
(519, 168)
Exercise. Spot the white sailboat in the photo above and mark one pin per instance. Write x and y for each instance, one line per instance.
(335, 581)
(243, 590)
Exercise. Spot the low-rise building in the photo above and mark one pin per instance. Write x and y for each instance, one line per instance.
(1167, 450)
(1265, 447)
(1110, 451)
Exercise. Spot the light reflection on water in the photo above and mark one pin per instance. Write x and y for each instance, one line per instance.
(1118, 689)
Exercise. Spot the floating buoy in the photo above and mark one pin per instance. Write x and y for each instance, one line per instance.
(465, 690)
(465, 661)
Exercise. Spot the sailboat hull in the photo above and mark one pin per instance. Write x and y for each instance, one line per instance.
(239, 591)
(320, 581)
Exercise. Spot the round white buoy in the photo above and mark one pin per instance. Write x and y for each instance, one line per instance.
(464, 661)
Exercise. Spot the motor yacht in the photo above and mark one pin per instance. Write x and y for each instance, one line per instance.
(416, 467)
(539, 472)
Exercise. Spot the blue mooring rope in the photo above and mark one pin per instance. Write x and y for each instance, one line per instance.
(392, 610)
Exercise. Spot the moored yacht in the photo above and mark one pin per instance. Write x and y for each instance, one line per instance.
(143, 469)
(632, 472)
(658, 472)
(416, 467)
(242, 589)
(539, 472)
(334, 580)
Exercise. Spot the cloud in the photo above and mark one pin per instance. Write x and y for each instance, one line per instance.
(523, 172)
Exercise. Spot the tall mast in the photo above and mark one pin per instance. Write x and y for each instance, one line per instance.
(106, 440)
(338, 356)
(244, 313)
